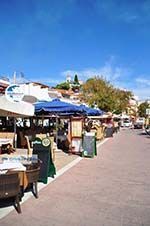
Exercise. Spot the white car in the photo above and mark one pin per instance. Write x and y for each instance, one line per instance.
(139, 123)
(127, 123)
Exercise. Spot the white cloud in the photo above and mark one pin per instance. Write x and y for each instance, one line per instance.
(120, 77)
(109, 71)
(133, 12)
(142, 87)
(44, 80)
(143, 81)
(129, 17)
(52, 81)
(143, 94)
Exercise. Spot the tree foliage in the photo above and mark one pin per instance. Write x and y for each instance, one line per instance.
(142, 109)
(75, 85)
(76, 80)
(97, 91)
(63, 85)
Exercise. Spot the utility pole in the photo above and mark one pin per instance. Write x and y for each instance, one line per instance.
(14, 77)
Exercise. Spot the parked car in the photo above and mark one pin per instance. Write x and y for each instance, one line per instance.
(139, 123)
(127, 123)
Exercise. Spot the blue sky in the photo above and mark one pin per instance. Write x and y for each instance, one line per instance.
(49, 39)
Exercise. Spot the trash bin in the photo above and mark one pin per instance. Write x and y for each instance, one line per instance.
(89, 145)
(42, 148)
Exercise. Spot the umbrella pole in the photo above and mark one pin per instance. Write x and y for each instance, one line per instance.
(56, 130)
(15, 145)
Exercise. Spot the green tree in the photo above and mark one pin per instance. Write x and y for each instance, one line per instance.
(100, 92)
(63, 85)
(76, 80)
(142, 109)
(122, 100)
(76, 84)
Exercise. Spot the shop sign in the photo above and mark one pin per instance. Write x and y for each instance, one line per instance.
(46, 142)
(14, 93)
(148, 111)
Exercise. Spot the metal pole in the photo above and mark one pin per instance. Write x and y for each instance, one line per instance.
(56, 129)
(15, 140)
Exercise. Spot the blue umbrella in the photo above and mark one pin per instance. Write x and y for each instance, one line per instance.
(91, 111)
(57, 106)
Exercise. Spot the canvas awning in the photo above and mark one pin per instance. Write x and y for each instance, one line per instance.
(15, 109)
(91, 111)
(58, 107)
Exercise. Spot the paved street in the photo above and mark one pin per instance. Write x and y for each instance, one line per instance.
(112, 189)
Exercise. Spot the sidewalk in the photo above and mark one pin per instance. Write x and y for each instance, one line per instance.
(62, 159)
(63, 162)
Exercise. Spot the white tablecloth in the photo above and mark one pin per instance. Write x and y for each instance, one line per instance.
(5, 141)
(12, 165)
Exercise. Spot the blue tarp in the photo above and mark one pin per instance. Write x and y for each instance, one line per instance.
(57, 106)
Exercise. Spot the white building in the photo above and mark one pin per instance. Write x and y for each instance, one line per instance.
(35, 91)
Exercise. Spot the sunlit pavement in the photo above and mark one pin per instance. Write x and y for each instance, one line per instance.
(112, 189)
(63, 162)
